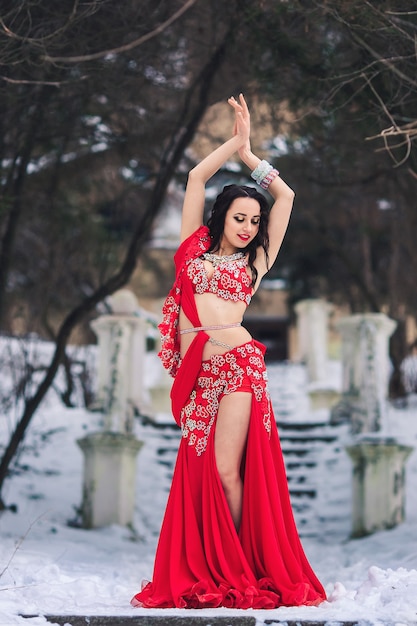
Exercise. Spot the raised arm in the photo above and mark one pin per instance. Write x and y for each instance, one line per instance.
(193, 207)
(279, 215)
(282, 194)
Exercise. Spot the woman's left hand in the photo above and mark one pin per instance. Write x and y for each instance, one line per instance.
(242, 121)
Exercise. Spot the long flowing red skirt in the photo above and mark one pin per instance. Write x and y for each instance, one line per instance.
(201, 560)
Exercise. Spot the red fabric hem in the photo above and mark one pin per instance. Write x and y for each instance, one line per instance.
(252, 597)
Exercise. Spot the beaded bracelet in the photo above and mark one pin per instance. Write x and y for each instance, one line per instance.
(263, 168)
(269, 178)
(264, 174)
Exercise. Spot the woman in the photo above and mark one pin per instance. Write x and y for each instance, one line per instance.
(228, 537)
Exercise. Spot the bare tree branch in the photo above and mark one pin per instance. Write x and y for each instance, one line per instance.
(194, 108)
(13, 35)
(407, 132)
(384, 61)
(392, 22)
(130, 46)
(401, 12)
(48, 83)
(383, 58)
(18, 545)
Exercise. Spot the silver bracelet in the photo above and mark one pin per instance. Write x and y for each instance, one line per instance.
(263, 168)
(264, 174)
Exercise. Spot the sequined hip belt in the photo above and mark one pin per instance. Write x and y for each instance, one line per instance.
(196, 329)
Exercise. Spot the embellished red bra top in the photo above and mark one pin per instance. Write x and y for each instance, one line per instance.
(229, 280)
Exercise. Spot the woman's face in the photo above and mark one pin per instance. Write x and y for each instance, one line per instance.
(241, 224)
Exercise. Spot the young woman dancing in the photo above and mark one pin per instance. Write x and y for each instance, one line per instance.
(228, 536)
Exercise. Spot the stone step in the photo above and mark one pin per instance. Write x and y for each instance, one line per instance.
(300, 460)
(305, 446)
(307, 440)
(295, 478)
(302, 492)
(300, 427)
(184, 620)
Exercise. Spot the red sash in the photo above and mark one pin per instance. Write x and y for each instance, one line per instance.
(181, 296)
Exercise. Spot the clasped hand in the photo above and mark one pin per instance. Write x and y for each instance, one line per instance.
(242, 121)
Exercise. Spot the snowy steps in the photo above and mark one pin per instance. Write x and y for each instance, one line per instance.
(318, 474)
(311, 450)
(318, 468)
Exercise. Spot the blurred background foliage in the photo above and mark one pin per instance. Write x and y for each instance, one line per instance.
(101, 101)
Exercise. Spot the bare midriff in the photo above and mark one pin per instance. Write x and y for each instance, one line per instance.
(216, 311)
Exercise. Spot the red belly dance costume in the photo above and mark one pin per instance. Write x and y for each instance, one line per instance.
(201, 560)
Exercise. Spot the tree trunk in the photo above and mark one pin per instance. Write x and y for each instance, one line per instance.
(17, 186)
(198, 99)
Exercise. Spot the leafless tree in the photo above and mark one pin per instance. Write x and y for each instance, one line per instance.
(149, 99)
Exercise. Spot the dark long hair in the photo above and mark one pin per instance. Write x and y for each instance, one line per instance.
(218, 215)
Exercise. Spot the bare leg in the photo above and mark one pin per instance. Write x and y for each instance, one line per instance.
(229, 444)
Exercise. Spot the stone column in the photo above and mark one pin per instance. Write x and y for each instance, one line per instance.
(110, 456)
(312, 325)
(312, 330)
(109, 478)
(121, 353)
(365, 371)
(378, 484)
(121, 361)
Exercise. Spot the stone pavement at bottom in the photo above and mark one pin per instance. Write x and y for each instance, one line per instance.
(192, 620)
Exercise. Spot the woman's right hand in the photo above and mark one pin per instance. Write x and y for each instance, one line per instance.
(193, 207)
(242, 121)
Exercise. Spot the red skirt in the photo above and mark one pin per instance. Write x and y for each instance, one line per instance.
(201, 560)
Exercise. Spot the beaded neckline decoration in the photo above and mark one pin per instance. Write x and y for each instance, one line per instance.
(216, 259)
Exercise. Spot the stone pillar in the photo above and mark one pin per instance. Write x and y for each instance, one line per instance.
(109, 478)
(312, 325)
(121, 353)
(121, 356)
(110, 456)
(365, 371)
(378, 484)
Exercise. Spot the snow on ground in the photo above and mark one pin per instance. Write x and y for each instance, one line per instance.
(48, 565)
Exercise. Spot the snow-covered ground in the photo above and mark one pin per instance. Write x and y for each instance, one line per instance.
(49, 566)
